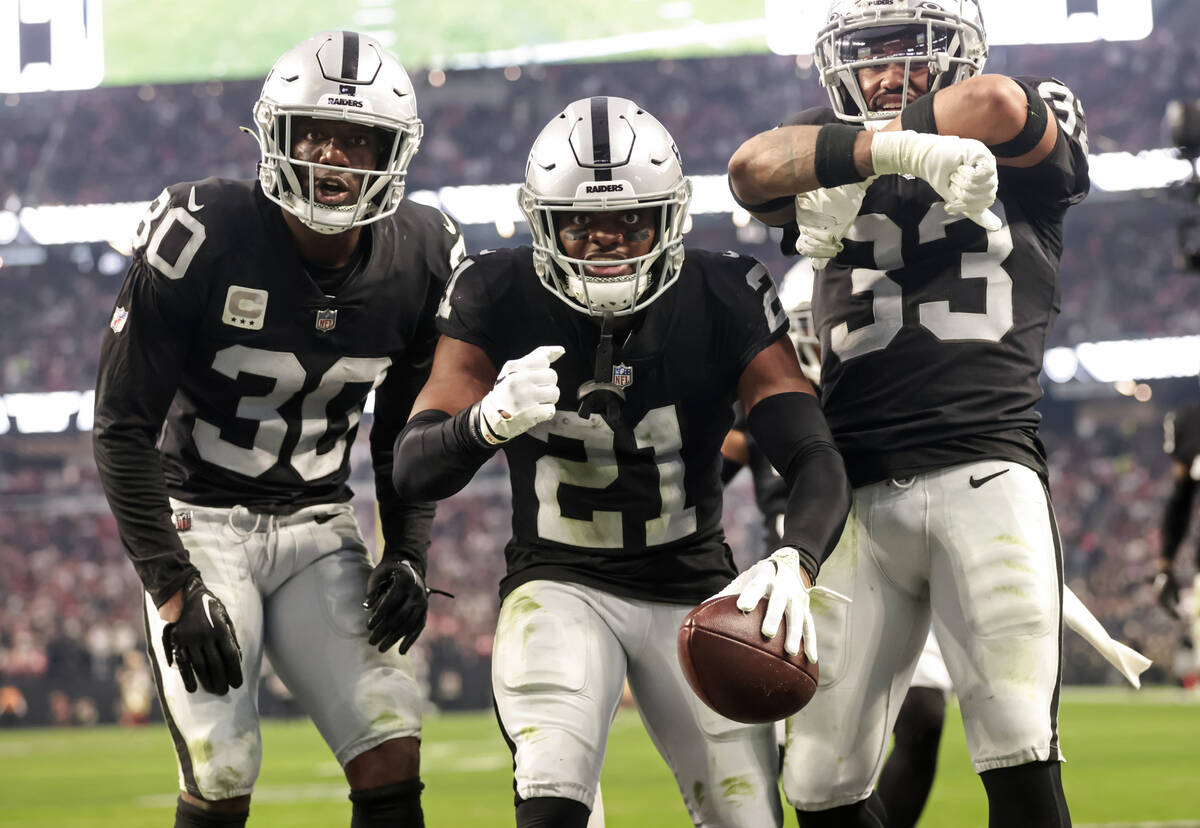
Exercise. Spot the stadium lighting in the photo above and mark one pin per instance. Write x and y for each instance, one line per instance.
(492, 203)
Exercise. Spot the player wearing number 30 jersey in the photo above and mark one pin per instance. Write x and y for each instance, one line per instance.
(255, 319)
(604, 361)
(932, 312)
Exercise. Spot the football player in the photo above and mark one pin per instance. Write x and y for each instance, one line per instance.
(255, 319)
(1181, 440)
(932, 330)
(604, 361)
(908, 774)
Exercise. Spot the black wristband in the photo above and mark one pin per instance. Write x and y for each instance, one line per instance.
(918, 116)
(1033, 130)
(766, 206)
(833, 156)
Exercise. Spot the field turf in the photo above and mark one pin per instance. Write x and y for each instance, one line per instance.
(1134, 759)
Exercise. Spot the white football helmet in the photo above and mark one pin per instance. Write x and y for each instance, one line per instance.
(795, 294)
(339, 76)
(947, 35)
(602, 154)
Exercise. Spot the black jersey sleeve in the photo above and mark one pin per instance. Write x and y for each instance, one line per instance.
(1061, 179)
(749, 313)
(406, 524)
(477, 291)
(141, 358)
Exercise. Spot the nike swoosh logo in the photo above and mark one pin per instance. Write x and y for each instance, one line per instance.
(977, 482)
(449, 225)
(205, 602)
(192, 205)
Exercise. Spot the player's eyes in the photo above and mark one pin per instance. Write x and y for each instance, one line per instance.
(630, 218)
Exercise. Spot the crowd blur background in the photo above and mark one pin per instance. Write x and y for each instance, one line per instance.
(71, 610)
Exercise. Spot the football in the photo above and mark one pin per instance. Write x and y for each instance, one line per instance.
(737, 672)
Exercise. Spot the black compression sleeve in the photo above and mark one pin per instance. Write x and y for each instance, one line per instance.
(792, 433)
(1033, 130)
(1176, 517)
(436, 454)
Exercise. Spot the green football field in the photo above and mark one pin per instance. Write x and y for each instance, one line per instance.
(1134, 760)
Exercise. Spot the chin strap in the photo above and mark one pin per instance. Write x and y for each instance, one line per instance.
(601, 395)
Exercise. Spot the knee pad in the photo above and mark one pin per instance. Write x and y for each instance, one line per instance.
(388, 805)
(188, 815)
(552, 812)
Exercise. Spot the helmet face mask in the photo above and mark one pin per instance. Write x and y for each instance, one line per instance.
(604, 155)
(340, 77)
(944, 36)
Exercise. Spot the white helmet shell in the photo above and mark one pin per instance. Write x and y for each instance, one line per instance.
(338, 76)
(946, 35)
(602, 154)
(795, 294)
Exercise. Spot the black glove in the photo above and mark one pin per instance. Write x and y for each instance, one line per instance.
(202, 644)
(398, 601)
(1167, 588)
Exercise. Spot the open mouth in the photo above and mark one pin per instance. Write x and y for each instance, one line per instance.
(333, 191)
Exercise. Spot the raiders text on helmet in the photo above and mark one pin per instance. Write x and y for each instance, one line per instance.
(945, 35)
(603, 154)
(337, 76)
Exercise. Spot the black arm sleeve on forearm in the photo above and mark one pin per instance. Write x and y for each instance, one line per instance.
(436, 455)
(792, 433)
(1176, 517)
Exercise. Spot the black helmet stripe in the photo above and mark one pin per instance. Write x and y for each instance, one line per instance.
(350, 56)
(601, 149)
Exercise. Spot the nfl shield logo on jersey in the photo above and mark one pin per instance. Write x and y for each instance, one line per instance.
(622, 376)
(326, 320)
(117, 323)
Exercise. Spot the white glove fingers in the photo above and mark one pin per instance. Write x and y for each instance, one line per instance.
(776, 605)
(797, 609)
(810, 636)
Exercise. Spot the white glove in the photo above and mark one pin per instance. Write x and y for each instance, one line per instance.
(824, 216)
(779, 580)
(524, 395)
(961, 170)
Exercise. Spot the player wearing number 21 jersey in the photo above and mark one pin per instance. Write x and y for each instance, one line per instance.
(604, 362)
(932, 312)
(255, 319)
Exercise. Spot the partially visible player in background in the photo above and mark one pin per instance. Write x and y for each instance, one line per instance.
(604, 362)
(912, 764)
(255, 319)
(933, 313)
(1181, 440)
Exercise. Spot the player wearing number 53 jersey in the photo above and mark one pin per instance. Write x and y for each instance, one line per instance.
(255, 319)
(932, 312)
(619, 358)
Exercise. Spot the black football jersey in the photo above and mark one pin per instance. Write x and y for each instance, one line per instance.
(223, 339)
(1181, 434)
(633, 506)
(932, 330)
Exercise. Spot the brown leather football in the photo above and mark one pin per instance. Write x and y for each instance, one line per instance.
(737, 672)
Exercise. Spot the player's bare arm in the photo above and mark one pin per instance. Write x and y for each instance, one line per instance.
(461, 375)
